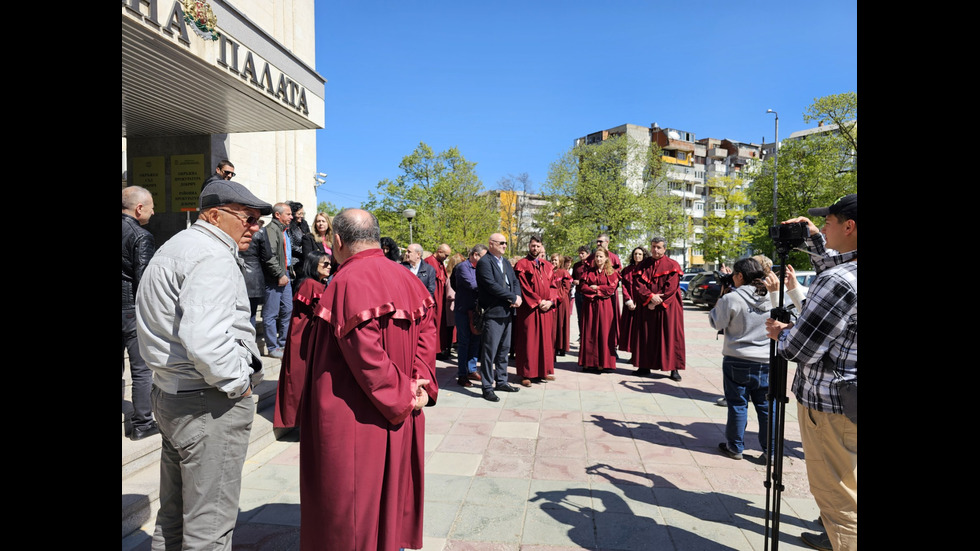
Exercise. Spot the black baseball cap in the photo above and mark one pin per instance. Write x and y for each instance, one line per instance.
(222, 192)
(846, 205)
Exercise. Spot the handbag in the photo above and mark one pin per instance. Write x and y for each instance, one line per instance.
(478, 319)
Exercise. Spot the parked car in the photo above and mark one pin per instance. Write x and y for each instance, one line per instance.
(685, 280)
(805, 277)
(704, 289)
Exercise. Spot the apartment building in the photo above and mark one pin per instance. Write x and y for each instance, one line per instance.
(690, 165)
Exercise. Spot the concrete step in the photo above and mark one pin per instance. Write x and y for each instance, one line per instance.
(141, 460)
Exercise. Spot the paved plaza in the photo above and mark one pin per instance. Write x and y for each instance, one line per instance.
(608, 462)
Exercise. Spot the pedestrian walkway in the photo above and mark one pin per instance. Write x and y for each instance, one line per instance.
(609, 462)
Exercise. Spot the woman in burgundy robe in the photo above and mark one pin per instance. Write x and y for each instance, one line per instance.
(629, 274)
(292, 373)
(599, 282)
(563, 302)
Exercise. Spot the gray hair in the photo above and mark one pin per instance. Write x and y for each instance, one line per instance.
(353, 227)
(658, 239)
(478, 248)
(133, 196)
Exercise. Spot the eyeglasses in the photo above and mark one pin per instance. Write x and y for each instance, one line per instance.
(228, 174)
(498, 242)
(249, 220)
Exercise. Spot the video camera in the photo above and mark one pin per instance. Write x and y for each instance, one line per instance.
(789, 236)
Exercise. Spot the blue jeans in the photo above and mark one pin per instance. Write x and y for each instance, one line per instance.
(745, 380)
(276, 312)
(467, 345)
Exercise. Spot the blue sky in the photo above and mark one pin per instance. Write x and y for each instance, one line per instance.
(513, 83)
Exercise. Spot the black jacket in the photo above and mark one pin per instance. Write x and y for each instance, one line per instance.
(427, 274)
(254, 278)
(496, 296)
(138, 247)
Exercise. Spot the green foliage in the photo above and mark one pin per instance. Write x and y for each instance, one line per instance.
(839, 109)
(447, 195)
(615, 187)
(814, 171)
(328, 207)
(725, 236)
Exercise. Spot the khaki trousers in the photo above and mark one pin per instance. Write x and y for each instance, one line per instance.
(830, 447)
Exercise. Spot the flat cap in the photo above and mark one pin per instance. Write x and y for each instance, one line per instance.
(222, 192)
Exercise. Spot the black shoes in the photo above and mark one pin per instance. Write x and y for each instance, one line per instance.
(490, 396)
(464, 381)
(642, 373)
(816, 541)
(141, 433)
(723, 448)
(505, 387)
(675, 375)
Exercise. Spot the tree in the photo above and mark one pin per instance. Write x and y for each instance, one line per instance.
(329, 208)
(615, 187)
(448, 197)
(839, 109)
(725, 236)
(814, 170)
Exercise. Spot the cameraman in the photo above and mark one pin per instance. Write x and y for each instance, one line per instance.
(824, 343)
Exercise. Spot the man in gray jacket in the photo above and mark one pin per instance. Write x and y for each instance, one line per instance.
(192, 318)
(278, 306)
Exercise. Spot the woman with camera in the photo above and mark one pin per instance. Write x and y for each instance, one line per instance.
(741, 313)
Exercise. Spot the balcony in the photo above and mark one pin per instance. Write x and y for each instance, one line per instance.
(717, 153)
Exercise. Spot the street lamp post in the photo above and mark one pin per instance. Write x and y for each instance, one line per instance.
(775, 173)
(409, 215)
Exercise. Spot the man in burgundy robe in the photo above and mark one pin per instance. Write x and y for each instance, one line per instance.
(371, 369)
(535, 320)
(659, 324)
(437, 261)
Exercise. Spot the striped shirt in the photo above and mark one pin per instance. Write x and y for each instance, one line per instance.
(827, 326)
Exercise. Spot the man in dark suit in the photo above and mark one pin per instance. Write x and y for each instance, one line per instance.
(423, 270)
(499, 292)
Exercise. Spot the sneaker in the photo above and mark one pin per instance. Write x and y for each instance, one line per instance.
(727, 452)
(817, 541)
(722, 402)
(275, 353)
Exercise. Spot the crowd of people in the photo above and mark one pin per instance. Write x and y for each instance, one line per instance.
(359, 323)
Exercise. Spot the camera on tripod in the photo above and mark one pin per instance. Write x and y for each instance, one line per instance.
(790, 235)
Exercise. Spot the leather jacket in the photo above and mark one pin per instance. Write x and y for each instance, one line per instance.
(138, 247)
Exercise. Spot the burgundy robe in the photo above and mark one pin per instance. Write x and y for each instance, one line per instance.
(659, 332)
(445, 332)
(292, 372)
(563, 310)
(535, 341)
(362, 452)
(599, 331)
(577, 270)
(627, 338)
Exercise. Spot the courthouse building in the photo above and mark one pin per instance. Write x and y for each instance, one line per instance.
(205, 81)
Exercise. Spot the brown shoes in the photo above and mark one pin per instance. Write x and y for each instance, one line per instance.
(464, 381)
